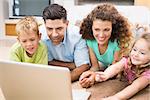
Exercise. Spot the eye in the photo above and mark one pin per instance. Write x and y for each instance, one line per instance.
(134, 49)
(59, 28)
(97, 29)
(107, 29)
(49, 29)
(24, 41)
(143, 53)
(32, 39)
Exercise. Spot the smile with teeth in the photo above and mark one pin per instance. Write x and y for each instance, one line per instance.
(101, 39)
(30, 49)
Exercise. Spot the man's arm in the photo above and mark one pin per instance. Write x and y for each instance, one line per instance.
(75, 73)
(81, 59)
(69, 65)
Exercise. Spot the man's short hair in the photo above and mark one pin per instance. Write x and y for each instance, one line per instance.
(54, 11)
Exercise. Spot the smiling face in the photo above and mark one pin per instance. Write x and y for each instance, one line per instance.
(29, 41)
(56, 29)
(140, 53)
(102, 31)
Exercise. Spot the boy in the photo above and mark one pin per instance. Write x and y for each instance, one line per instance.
(29, 48)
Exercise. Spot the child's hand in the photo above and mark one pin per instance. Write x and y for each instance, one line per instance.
(100, 76)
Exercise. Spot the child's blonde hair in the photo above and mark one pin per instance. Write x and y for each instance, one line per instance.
(26, 24)
(145, 36)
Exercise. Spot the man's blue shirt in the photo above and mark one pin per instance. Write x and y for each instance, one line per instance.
(72, 49)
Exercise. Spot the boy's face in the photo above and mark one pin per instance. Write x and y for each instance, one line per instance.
(29, 41)
(56, 29)
(140, 53)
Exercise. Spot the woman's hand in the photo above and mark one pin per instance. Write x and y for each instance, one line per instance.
(87, 79)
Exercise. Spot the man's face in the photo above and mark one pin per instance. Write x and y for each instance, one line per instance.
(56, 29)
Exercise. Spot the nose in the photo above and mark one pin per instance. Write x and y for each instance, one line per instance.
(54, 33)
(29, 43)
(136, 53)
(101, 34)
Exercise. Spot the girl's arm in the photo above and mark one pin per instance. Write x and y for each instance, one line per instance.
(110, 71)
(114, 69)
(94, 61)
(132, 89)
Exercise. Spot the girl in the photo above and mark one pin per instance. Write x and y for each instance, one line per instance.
(108, 37)
(136, 68)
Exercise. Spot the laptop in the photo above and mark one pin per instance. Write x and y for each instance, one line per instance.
(26, 81)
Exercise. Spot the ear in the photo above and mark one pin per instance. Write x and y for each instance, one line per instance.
(18, 39)
(39, 35)
(67, 22)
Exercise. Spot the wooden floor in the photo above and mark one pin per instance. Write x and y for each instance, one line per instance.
(110, 87)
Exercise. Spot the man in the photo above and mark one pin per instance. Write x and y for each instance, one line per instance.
(66, 48)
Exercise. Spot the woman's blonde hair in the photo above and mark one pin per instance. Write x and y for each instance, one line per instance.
(27, 24)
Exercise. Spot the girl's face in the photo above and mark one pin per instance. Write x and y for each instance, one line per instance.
(102, 31)
(140, 53)
(29, 41)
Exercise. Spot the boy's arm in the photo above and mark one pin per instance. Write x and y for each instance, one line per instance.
(132, 89)
(42, 55)
(14, 55)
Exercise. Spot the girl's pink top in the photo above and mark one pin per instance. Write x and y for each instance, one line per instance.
(130, 74)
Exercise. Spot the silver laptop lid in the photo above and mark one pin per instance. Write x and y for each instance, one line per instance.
(25, 81)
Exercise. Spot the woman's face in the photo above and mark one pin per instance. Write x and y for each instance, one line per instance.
(102, 31)
(140, 53)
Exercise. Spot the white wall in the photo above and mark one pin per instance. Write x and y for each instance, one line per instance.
(3, 16)
(135, 14)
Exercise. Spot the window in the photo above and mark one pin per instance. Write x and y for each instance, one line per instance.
(117, 2)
